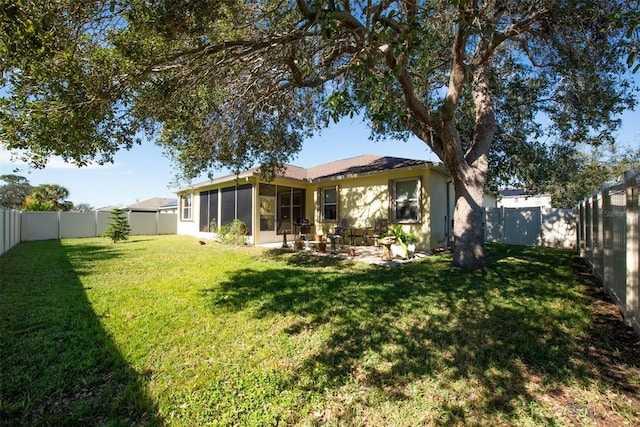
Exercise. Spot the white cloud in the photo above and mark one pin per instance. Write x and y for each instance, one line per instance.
(55, 162)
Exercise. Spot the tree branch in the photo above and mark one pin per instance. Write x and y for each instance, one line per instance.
(498, 37)
(458, 70)
(485, 119)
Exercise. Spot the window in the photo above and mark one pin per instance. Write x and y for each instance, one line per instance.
(237, 203)
(186, 206)
(406, 200)
(267, 203)
(329, 204)
(209, 211)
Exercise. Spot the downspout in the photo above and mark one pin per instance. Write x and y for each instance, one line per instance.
(447, 218)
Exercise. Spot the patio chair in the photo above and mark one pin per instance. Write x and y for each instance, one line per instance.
(302, 228)
(379, 231)
(337, 235)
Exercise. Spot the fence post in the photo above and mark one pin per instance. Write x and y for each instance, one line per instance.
(607, 240)
(580, 229)
(598, 250)
(632, 182)
(503, 237)
(3, 231)
(588, 230)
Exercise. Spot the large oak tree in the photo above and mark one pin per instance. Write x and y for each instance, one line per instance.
(233, 83)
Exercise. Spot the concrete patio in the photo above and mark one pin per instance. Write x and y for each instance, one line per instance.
(366, 254)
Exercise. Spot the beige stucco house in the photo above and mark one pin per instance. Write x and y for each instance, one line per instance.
(414, 193)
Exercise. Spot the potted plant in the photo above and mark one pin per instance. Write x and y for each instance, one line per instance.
(299, 245)
(405, 242)
(411, 240)
(322, 246)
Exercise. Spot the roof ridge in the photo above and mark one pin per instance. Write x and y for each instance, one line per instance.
(350, 166)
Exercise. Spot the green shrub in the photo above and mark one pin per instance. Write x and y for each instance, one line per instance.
(213, 225)
(234, 233)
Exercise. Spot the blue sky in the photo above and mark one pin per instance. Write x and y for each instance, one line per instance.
(143, 172)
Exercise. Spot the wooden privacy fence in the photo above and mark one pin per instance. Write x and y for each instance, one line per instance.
(532, 226)
(608, 241)
(27, 226)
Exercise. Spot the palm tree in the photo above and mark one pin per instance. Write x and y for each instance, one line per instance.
(52, 195)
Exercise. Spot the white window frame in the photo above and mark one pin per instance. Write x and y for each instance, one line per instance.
(186, 207)
(323, 205)
(417, 201)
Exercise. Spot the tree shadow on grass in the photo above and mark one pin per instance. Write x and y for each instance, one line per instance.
(505, 333)
(59, 366)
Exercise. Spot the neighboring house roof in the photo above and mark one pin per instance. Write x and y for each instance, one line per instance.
(520, 192)
(354, 166)
(108, 208)
(617, 187)
(171, 205)
(511, 192)
(151, 205)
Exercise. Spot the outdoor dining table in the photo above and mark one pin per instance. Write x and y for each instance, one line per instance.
(354, 233)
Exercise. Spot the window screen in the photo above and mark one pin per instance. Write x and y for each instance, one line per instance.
(204, 211)
(228, 205)
(245, 206)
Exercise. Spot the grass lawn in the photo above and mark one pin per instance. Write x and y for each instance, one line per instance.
(164, 331)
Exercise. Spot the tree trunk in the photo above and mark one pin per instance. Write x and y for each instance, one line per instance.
(468, 216)
(467, 164)
(469, 173)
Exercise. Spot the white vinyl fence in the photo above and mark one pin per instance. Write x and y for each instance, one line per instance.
(28, 226)
(533, 226)
(9, 229)
(608, 241)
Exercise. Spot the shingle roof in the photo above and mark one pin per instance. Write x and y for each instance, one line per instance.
(361, 165)
(507, 192)
(295, 172)
(151, 204)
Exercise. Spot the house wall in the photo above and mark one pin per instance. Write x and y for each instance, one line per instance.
(283, 186)
(362, 200)
(490, 200)
(189, 227)
(442, 206)
(539, 200)
(192, 226)
(441, 202)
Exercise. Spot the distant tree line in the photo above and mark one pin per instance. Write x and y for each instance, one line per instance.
(566, 172)
(17, 193)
